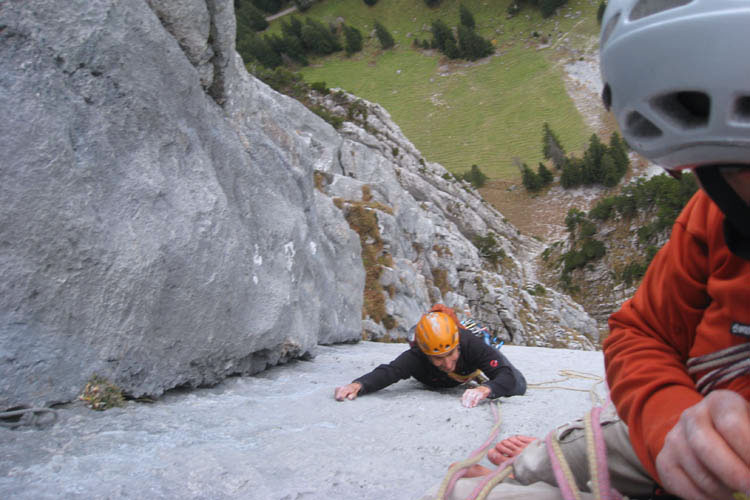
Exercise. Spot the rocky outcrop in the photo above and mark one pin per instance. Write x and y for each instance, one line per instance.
(429, 224)
(168, 220)
(148, 234)
(600, 286)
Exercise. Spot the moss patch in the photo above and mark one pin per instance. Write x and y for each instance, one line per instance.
(99, 394)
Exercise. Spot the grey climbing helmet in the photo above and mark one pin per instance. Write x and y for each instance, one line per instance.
(676, 74)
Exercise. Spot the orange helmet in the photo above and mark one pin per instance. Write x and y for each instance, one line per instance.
(436, 334)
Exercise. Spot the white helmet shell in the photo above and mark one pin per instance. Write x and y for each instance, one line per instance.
(676, 74)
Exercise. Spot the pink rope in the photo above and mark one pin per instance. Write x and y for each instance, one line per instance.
(562, 481)
(458, 475)
(608, 493)
(500, 469)
(462, 472)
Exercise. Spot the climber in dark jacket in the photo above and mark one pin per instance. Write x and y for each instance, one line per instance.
(444, 355)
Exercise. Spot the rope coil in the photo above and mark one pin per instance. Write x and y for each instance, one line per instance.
(725, 365)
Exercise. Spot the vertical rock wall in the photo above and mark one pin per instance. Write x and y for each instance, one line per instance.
(146, 234)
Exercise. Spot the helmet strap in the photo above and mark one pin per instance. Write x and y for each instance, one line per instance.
(736, 211)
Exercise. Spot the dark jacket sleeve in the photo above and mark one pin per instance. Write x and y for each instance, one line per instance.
(505, 379)
(386, 374)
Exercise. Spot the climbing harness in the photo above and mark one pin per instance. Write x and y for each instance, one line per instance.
(477, 375)
(26, 416)
(725, 365)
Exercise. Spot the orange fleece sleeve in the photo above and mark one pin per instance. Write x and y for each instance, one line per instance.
(651, 336)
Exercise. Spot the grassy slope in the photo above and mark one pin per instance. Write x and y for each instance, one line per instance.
(456, 113)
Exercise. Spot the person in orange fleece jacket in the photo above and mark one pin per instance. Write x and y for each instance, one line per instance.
(676, 76)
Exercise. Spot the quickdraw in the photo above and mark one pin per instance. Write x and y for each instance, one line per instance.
(482, 332)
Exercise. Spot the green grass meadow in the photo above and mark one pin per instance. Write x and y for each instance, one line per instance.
(455, 112)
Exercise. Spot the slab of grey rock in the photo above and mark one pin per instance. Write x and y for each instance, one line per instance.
(281, 435)
(146, 235)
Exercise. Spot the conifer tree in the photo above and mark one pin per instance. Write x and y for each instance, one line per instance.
(255, 47)
(610, 174)
(303, 5)
(475, 176)
(551, 147)
(292, 28)
(288, 46)
(571, 172)
(472, 46)
(467, 19)
(270, 6)
(441, 34)
(592, 161)
(545, 176)
(451, 49)
(619, 151)
(250, 18)
(530, 179)
(317, 38)
(548, 7)
(385, 38)
(353, 39)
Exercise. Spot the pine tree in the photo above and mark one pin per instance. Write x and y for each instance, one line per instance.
(530, 179)
(619, 151)
(441, 34)
(571, 173)
(467, 19)
(288, 46)
(303, 5)
(471, 46)
(255, 47)
(270, 6)
(250, 18)
(611, 176)
(592, 161)
(353, 39)
(385, 38)
(293, 28)
(551, 147)
(548, 7)
(451, 48)
(317, 38)
(545, 176)
(475, 176)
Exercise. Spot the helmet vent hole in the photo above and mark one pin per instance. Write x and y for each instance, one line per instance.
(742, 109)
(607, 97)
(686, 109)
(609, 28)
(639, 126)
(645, 8)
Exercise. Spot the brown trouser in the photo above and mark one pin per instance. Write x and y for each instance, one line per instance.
(534, 477)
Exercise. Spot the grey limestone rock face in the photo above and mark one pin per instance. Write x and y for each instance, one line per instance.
(148, 235)
(428, 223)
(168, 220)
